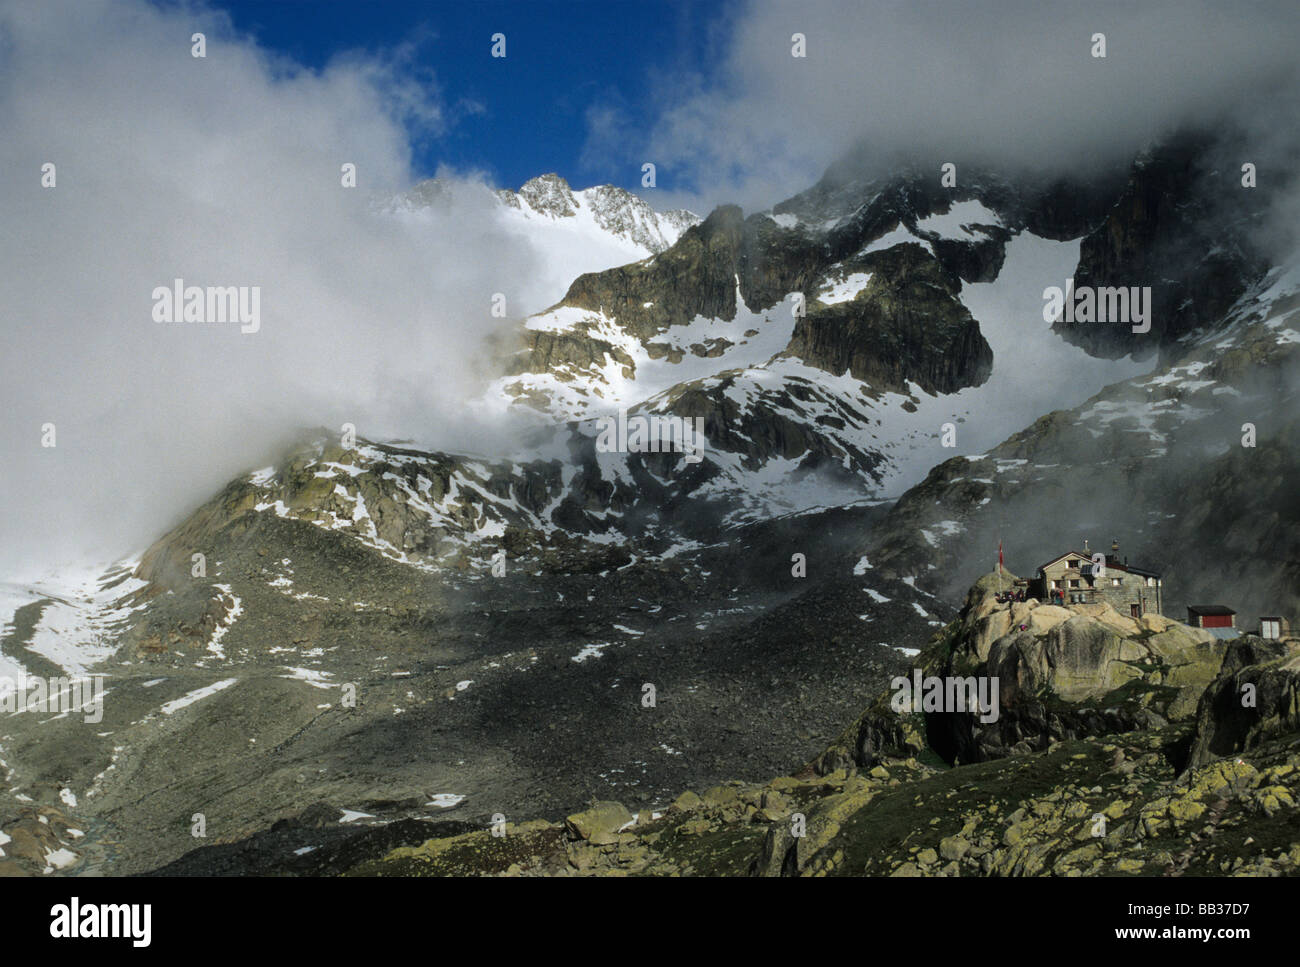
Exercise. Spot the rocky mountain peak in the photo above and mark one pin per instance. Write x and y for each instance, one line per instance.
(607, 209)
(549, 194)
(622, 213)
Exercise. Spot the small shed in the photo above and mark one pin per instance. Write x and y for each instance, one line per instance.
(1211, 616)
(1273, 626)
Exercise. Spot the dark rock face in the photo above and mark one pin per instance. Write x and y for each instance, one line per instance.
(775, 261)
(696, 277)
(876, 737)
(1181, 228)
(973, 261)
(1256, 697)
(908, 324)
(1068, 208)
(1057, 208)
(768, 429)
(550, 352)
(1031, 727)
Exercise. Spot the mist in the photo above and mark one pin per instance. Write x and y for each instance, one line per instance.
(220, 171)
(1011, 85)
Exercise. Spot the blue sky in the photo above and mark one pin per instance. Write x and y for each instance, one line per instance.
(526, 114)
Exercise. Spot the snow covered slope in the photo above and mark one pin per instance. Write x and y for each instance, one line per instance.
(857, 383)
(71, 620)
(604, 212)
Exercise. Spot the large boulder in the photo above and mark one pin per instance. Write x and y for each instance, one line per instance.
(600, 823)
(1045, 617)
(989, 628)
(1019, 662)
(1084, 655)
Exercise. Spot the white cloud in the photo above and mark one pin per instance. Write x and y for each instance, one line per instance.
(220, 171)
(1010, 83)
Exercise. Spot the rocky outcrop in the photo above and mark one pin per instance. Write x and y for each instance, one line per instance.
(415, 507)
(1254, 698)
(696, 277)
(566, 354)
(906, 325)
(879, 735)
(41, 840)
(772, 425)
(1060, 673)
